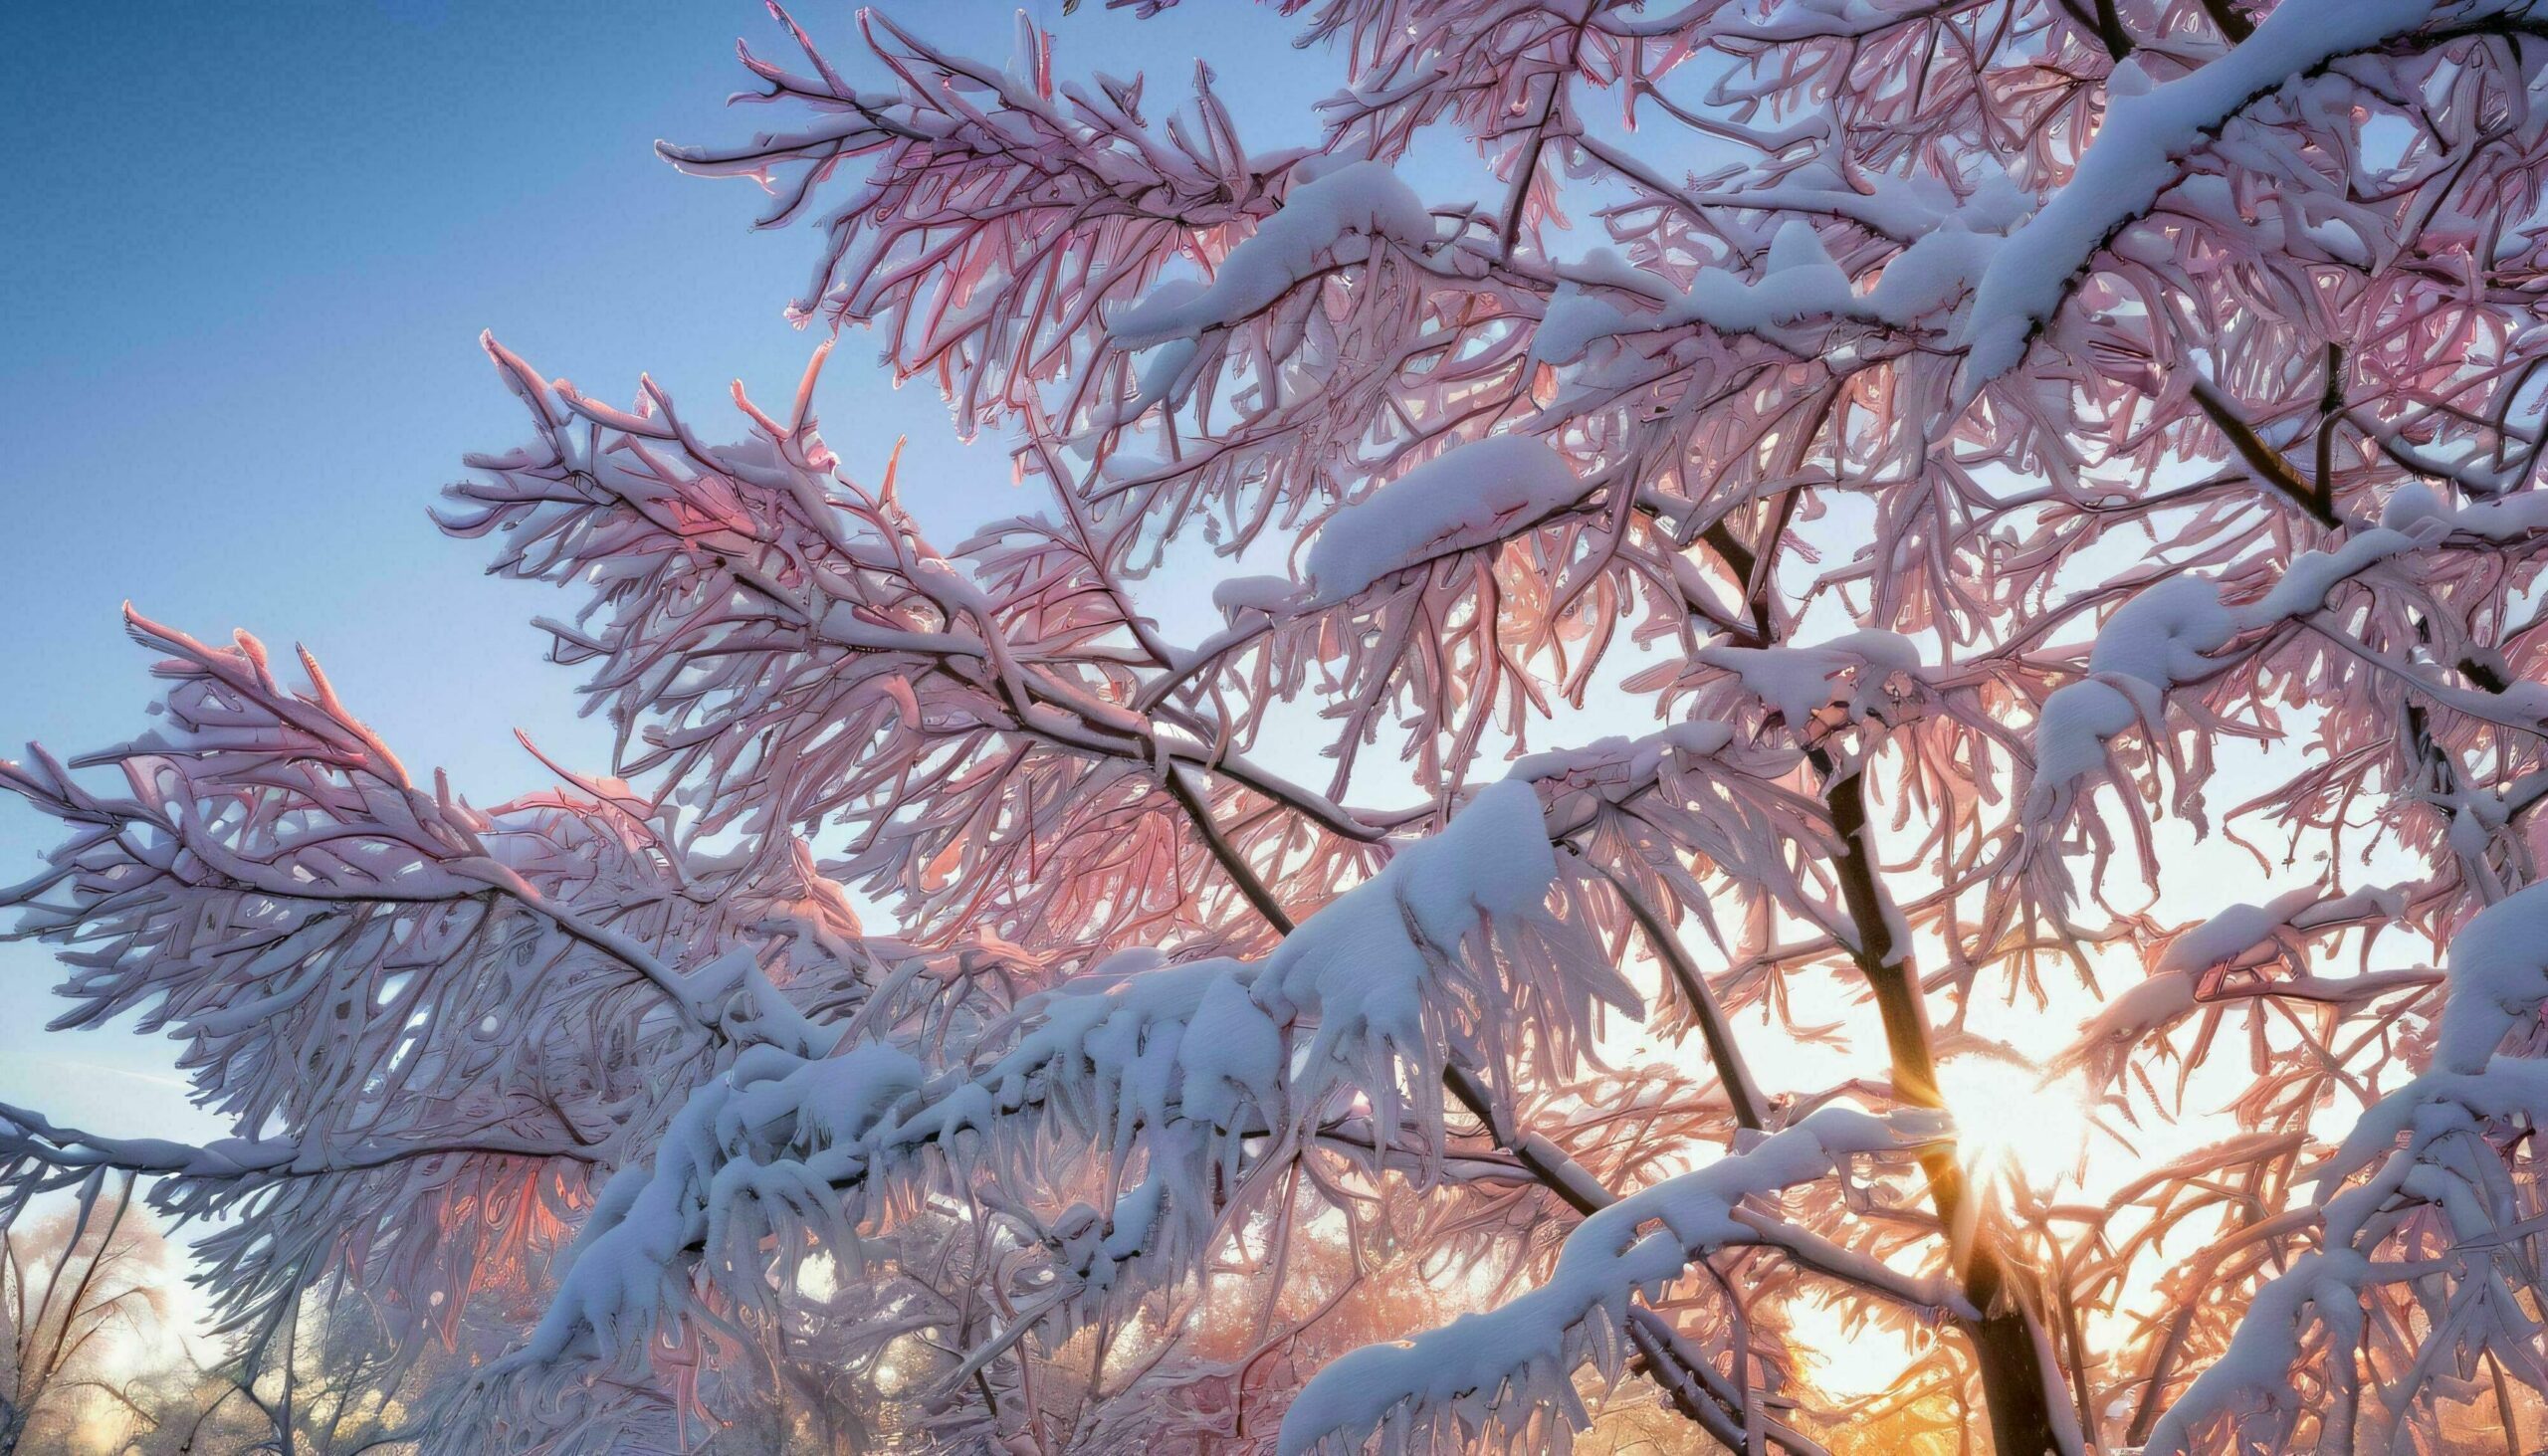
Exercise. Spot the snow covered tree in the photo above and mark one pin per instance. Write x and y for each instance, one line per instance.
(1666, 701)
(71, 1286)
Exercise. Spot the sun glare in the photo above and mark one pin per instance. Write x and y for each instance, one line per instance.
(2012, 1126)
(1846, 1359)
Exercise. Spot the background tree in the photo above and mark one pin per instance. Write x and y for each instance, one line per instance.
(1983, 431)
(72, 1284)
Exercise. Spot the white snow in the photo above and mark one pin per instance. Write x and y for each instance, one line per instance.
(2257, 1364)
(2161, 638)
(2070, 734)
(1802, 282)
(1950, 241)
(2497, 980)
(2166, 635)
(1638, 758)
(2227, 937)
(1469, 497)
(1492, 1370)
(1236, 594)
(1331, 216)
(2136, 156)
(1573, 322)
(1374, 990)
(1847, 672)
(2238, 938)
(2498, 977)
(773, 1104)
(1371, 996)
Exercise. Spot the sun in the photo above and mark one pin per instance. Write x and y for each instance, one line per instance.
(2014, 1128)
(1846, 1359)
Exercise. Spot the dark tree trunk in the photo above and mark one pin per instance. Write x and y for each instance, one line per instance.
(2015, 1384)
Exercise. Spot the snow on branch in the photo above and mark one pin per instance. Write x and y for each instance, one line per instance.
(999, 214)
(1448, 955)
(1469, 497)
(2177, 632)
(2248, 953)
(2436, 1189)
(420, 1006)
(2138, 151)
(1334, 213)
(789, 647)
(1851, 679)
(729, 1165)
(1502, 1375)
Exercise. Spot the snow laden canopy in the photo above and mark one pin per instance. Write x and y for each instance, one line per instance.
(1439, 877)
(1175, 1076)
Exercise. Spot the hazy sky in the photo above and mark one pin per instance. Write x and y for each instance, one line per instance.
(248, 253)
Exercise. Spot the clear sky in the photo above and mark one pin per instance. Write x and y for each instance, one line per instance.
(248, 253)
(245, 256)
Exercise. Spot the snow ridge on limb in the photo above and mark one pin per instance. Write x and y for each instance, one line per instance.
(1469, 497)
(1386, 983)
(2249, 952)
(728, 1172)
(2434, 1185)
(1334, 213)
(1853, 673)
(2136, 156)
(1505, 1373)
(1474, 496)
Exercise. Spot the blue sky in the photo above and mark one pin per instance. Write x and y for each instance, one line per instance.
(245, 258)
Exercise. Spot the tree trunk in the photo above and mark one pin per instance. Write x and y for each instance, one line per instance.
(2015, 1384)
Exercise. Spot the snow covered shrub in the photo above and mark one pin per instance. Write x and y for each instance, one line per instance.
(1746, 626)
